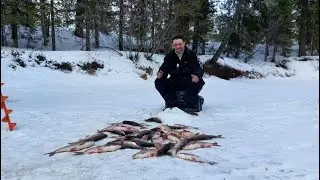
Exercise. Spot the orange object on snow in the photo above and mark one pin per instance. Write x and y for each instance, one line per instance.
(7, 111)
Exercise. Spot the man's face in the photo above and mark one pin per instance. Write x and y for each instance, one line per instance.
(178, 45)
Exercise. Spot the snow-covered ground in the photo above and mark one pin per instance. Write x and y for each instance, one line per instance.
(270, 125)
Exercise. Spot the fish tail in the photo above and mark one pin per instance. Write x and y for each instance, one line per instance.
(212, 163)
(50, 153)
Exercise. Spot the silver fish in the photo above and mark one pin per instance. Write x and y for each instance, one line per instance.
(173, 151)
(95, 137)
(181, 126)
(179, 145)
(132, 123)
(100, 149)
(197, 145)
(126, 144)
(73, 147)
(157, 140)
(142, 143)
(115, 131)
(164, 149)
(185, 133)
(194, 158)
(125, 129)
(154, 119)
(145, 154)
(197, 137)
(173, 137)
(165, 129)
(130, 145)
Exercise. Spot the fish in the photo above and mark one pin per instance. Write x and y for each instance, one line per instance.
(139, 134)
(154, 119)
(194, 158)
(164, 149)
(196, 145)
(165, 129)
(185, 133)
(153, 132)
(157, 140)
(142, 143)
(143, 133)
(130, 126)
(129, 130)
(126, 144)
(166, 141)
(118, 132)
(180, 144)
(145, 137)
(183, 142)
(197, 137)
(130, 145)
(117, 137)
(145, 154)
(117, 129)
(181, 126)
(117, 141)
(172, 137)
(95, 137)
(100, 149)
(132, 123)
(72, 147)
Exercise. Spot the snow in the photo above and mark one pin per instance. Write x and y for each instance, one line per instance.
(270, 125)
(296, 68)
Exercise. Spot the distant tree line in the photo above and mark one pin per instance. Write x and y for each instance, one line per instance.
(240, 26)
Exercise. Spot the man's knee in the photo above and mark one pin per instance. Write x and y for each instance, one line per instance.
(195, 87)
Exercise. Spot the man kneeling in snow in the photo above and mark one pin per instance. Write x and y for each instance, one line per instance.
(185, 79)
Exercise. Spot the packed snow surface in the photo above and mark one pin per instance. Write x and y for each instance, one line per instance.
(270, 125)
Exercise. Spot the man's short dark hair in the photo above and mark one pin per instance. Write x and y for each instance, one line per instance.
(178, 37)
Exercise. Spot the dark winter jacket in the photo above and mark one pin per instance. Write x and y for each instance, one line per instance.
(180, 70)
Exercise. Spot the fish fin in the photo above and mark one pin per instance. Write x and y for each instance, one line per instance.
(78, 153)
(75, 142)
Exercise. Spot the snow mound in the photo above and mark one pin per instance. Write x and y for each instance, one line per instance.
(284, 67)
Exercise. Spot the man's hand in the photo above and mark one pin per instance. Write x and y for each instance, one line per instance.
(194, 78)
(160, 74)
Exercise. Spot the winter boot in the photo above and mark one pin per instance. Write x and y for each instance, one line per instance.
(194, 103)
(200, 103)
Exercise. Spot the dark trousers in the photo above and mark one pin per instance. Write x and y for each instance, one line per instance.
(167, 88)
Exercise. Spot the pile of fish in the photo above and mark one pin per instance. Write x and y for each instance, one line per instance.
(158, 141)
